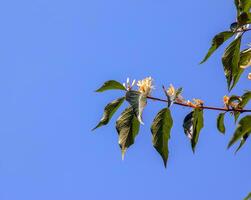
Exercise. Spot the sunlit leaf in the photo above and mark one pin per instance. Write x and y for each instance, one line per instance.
(138, 101)
(111, 85)
(230, 61)
(127, 126)
(245, 58)
(160, 129)
(109, 111)
(217, 41)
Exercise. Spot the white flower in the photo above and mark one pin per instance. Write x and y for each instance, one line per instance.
(145, 86)
(127, 85)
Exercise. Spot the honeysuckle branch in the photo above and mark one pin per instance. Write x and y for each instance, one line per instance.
(201, 107)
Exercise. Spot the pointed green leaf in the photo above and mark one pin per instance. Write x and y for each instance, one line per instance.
(160, 129)
(248, 197)
(243, 140)
(245, 99)
(243, 127)
(242, 6)
(220, 123)
(111, 85)
(193, 123)
(230, 61)
(138, 102)
(109, 111)
(217, 41)
(127, 126)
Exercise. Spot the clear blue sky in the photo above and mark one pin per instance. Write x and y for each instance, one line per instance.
(54, 54)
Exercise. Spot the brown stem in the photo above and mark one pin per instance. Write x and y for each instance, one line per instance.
(201, 107)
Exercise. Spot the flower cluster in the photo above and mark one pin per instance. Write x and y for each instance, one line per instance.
(175, 96)
(145, 86)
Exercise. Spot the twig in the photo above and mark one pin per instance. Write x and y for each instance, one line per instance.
(201, 107)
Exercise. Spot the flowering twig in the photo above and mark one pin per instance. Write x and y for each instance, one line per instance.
(201, 107)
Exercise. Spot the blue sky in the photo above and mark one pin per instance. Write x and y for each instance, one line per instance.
(54, 54)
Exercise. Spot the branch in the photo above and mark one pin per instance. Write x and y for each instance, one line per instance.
(201, 107)
(244, 30)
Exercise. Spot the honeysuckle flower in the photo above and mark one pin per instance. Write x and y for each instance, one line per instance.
(225, 100)
(198, 102)
(171, 90)
(190, 103)
(127, 85)
(145, 86)
(174, 94)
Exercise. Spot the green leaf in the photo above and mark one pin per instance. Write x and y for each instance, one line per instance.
(138, 102)
(160, 129)
(237, 2)
(244, 127)
(193, 123)
(245, 98)
(127, 127)
(220, 123)
(242, 6)
(245, 5)
(243, 140)
(248, 197)
(233, 99)
(230, 61)
(217, 41)
(245, 58)
(111, 85)
(244, 18)
(109, 111)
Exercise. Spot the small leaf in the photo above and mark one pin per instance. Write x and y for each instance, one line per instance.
(245, 5)
(242, 6)
(111, 85)
(248, 197)
(243, 128)
(127, 127)
(245, 98)
(244, 18)
(220, 122)
(217, 41)
(138, 101)
(193, 123)
(109, 111)
(160, 129)
(230, 61)
(243, 140)
(245, 58)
